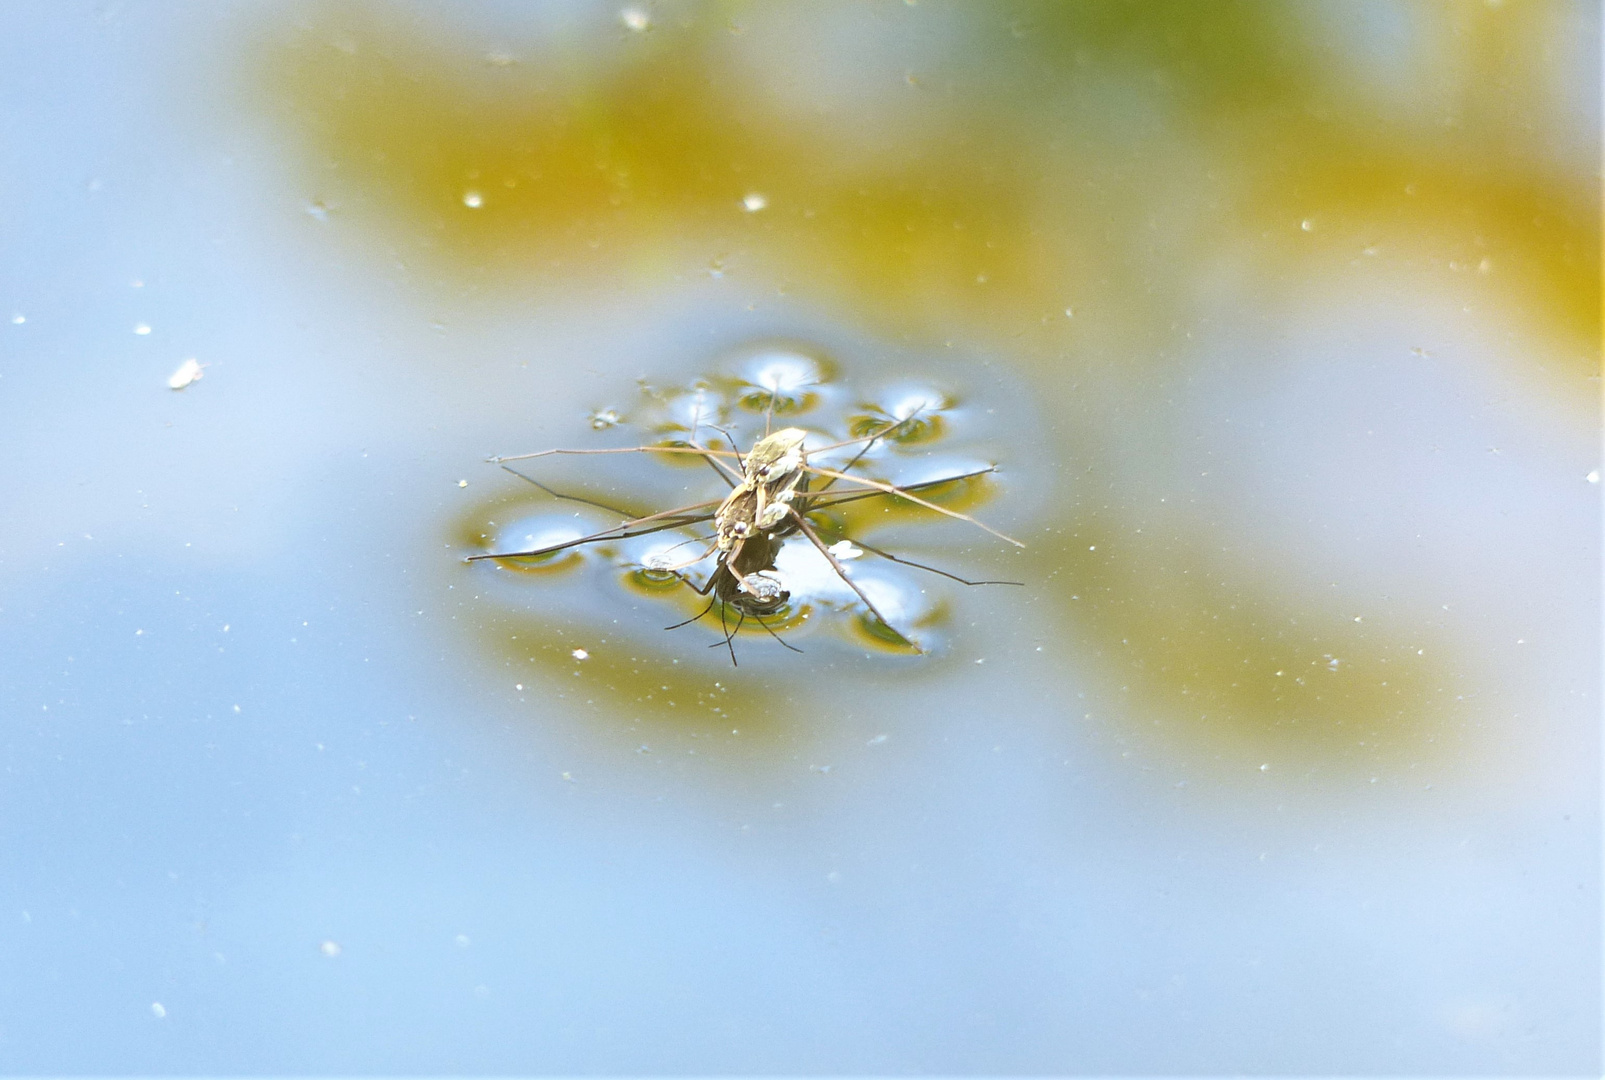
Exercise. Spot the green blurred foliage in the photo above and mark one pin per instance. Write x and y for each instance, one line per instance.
(1053, 156)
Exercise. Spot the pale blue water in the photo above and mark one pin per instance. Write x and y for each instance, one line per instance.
(283, 790)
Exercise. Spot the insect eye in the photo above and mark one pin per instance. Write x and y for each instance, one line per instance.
(764, 471)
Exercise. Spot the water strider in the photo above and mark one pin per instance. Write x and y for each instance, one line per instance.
(770, 499)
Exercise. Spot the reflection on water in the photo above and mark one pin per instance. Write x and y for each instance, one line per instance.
(642, 159)
(899, 433)
(1279, 321)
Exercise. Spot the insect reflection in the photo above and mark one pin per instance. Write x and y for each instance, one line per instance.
(772, 496)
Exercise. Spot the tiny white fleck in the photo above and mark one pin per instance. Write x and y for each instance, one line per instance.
(462, 483)
(18, 320)
(189, 371)
(754, 202)
(518, 686)
(877, 740)
(1593, 477)
(1307, 225)
(236, 708)
(1265, 768)
(331, 949)
(1069, 312)
(473, 200)
(142, 329)
(158, 1010)
(579, 654)
(844, 549)
(635, 19)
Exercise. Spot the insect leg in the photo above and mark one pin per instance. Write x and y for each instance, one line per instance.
(570, 498)
(776, 636)
(903, 493)
(680, 519)
(841, 572)
(932, 569)
(695, 618)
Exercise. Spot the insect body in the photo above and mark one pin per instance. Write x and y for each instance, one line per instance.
(769, 500)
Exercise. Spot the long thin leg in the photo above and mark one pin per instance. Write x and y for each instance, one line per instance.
(689, 562)
(728, 634)
(904, 494)
(726, 473)
(570, 498)
(842, 497)
(841, 572)
(682, 517)
(776, 636)
(618, 450)
(873, 438)
(695, 618)
(932, 569)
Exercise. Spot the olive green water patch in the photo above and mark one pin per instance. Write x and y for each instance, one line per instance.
(1203, 655)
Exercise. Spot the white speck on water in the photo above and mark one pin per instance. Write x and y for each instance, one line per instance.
(877, 740)
(142, 329)
(1265, 768)
(1069, 313)
(236, 708)
(754, 202)
(331, 949)
(189, 371)
(318, 209)
(518, 686)
(473, 200)
(579, 654)
(1332, 664)
(158, 1010)
(844, 549)
(1307, 225)
(635, 19)
(1593, 477)
(462, 939)
(18, 320)
(604, 418)
(462, 483)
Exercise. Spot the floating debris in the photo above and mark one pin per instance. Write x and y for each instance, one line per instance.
(188, 372)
